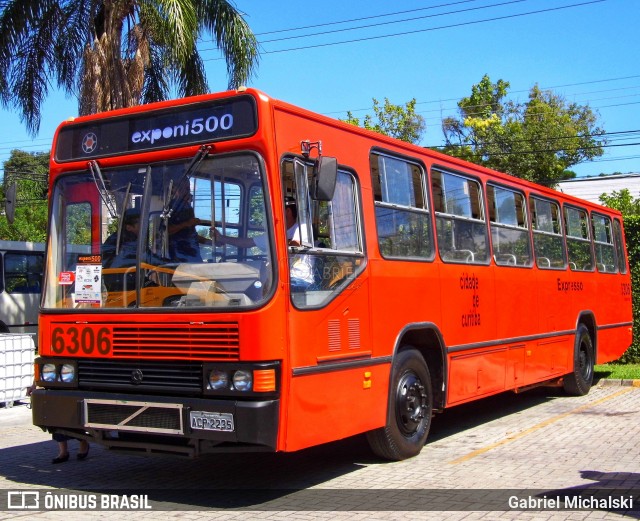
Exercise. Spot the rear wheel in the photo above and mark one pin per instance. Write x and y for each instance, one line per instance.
(579, 381)
(408, 411)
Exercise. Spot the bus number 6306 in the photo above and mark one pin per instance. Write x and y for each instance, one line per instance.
(87, 339)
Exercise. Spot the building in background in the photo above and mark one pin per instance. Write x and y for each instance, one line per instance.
(591, 188)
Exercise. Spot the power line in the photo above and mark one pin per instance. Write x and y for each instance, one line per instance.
(510, 93)
(588, 101)
(315, 26)
(541, 151)
(412, 19)
(416, 31)
(530, 114)
(617, 136)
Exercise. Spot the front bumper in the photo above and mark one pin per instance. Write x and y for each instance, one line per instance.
(156, 424)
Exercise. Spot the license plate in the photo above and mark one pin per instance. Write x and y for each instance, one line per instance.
(211, 421)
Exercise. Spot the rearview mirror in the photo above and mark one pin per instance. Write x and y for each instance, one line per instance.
(323, 184)
(10, 203)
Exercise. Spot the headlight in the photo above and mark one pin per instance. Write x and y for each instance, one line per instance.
(242, 380)
(48, 373)
(67, 373)
(218, 380)
(239, 379)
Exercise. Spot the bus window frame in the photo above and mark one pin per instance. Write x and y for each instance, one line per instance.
(427, 209)
(482, 207)
(572, 265)
(537, 196)
(619, 243)
(298, 302)
(612, 244)
(527, 221)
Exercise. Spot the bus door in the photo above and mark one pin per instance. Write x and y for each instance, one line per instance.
(329, 330)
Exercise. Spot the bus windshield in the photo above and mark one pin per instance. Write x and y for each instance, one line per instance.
(141, 236)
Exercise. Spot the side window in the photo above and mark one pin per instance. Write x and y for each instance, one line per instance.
(509, 228)
(460, 221)
(402, 217)
(579, 250)
(619, 243)
(603, 242)
(548, 242)
(23, 272)
(317, 273)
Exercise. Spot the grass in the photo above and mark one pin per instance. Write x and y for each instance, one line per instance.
(618, 371)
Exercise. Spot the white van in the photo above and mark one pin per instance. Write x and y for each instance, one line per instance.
(21, 266)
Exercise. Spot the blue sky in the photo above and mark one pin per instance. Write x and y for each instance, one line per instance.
(432, 50)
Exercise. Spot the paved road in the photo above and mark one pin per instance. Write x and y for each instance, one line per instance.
(530, 447)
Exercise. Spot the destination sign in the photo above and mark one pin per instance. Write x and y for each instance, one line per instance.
(191, 124)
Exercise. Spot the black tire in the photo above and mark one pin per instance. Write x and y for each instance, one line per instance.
(409, 409)
(579, 381)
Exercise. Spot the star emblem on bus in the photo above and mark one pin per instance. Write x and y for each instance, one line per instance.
(89, 143)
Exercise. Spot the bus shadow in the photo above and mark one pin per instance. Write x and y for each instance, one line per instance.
(238, 480)
(470, 415)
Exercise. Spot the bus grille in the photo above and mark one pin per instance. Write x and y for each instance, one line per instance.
(134, 416)
(140, 376)
(177, 341)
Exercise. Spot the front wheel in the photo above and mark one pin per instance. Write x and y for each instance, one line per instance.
(579, 381)
(409, 409)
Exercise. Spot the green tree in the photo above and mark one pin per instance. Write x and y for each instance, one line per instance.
(622, 201)
(400, 122)
(29, 170)
(538, 140)
(115, 53)
(630, 208)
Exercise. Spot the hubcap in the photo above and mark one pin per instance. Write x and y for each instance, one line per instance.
(411, 404)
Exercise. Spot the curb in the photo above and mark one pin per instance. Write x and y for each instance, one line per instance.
(610, 382)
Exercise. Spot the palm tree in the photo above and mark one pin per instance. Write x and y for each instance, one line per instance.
(115, 53)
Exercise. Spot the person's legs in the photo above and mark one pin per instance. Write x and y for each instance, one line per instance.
(83, 452)
(63, 450)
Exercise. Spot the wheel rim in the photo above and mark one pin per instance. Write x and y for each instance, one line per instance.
(411, 404)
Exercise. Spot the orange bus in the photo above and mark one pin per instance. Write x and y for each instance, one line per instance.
(229, 272)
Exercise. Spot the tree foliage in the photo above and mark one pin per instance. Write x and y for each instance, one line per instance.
(397, 121)
(622, 201)
(538, 140)
(115, 53)
(29, 170)
(630, 208)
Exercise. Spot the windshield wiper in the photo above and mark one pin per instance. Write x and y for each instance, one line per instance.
(121, 219)
(195, 162)
(98, 179)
